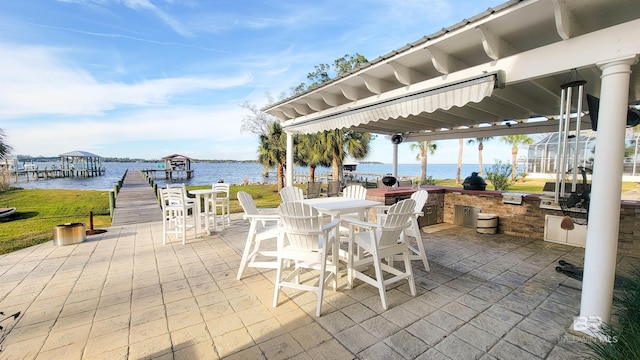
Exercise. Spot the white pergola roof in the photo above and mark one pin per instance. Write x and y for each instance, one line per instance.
(503, 66)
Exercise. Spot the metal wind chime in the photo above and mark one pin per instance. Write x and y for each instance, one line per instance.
(575, 205)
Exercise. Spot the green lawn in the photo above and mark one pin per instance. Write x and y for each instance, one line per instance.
(531, 186)
(40, 210)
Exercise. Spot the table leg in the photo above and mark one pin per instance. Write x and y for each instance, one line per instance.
(335, 256)
(350, 260)
(215, 220)
(205, 200)
(196, 216)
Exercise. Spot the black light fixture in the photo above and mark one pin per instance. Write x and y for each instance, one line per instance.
(397, 139)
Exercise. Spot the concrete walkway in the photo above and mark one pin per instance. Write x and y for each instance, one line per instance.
(123, 295)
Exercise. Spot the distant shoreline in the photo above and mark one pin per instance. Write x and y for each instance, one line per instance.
(210, 161)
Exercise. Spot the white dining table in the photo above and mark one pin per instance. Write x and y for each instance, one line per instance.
(338, 206)
(202, 197)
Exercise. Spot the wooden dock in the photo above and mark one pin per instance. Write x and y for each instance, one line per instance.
(55, 173)
(136, 202)
(168, 174)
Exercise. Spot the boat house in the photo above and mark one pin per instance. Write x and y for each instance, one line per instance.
(80, 164)
(175, 166)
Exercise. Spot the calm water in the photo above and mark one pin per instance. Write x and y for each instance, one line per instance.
(234, 173)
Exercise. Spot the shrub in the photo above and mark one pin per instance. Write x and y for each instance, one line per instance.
(499, 175)
(5, 181)
(429, 181)
(625, 332)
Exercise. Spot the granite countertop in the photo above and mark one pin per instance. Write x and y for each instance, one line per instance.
(488, 193)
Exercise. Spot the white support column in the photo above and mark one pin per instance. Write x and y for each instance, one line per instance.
(289, 170)
(604, 214)
(395, 161)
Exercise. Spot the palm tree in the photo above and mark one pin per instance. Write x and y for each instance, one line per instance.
(459, 169)
(515, 141)
(309, 152)
(272, 151)
(480, 141)
(339, 143)
(424, 148)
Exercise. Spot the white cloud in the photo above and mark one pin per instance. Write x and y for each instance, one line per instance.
(96, 86)
(144, 5)
(36, 81)
(177, 126)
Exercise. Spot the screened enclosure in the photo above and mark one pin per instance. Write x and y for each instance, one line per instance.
(542, 156)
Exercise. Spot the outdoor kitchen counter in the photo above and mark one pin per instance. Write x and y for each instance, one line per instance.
(407, 191)
(525, 218)
(390, 195)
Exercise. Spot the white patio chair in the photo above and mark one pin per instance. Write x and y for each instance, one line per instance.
(175, 215)
(355, 192)
(188, 200)
(381, 241)
(306, 244)
(291, 193)
(263, 227)
(418, 252)
(221, 201)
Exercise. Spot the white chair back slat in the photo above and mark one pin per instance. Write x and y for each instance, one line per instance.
(302, 224)
(249, 207)
(224, 187)
(173, 196)
(420, 197)
(247, 203)
(355, 192)
(397, 219)
(291, 193)
(183, 189)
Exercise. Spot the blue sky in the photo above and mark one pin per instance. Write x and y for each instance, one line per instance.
(145, 79)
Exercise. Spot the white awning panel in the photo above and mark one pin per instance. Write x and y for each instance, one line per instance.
(442, 98)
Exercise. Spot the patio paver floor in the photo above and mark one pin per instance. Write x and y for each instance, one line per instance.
(122, 294)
